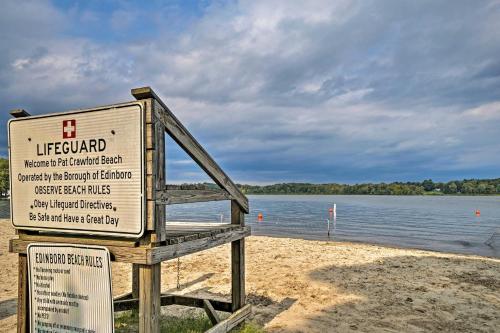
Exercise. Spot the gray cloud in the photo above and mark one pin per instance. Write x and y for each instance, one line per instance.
(282, 91)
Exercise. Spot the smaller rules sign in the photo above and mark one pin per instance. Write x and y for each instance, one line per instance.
(70, 288)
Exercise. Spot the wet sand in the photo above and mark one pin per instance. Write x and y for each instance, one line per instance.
(315, 286)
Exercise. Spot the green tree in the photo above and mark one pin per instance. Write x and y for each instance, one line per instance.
(428, 185)
(4, 177)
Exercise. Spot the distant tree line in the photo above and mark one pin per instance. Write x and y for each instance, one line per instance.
(455, 187)
(4, 177)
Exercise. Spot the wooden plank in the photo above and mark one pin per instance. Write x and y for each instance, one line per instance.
(126, 304)
(232, 321)
(200, 225)
(19, 113)
(121, 297)
(137, 255)
(171, 197)
(150, 136)
(162, 253)
(149, 298)
(161, 215)
(237, 215)
(135, 281)
(169, 299)
(60, 238)
(23, 316)
(189, 144)
(211, 313)
(150, 215)
(237, 261)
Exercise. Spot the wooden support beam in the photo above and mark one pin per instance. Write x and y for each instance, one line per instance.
(232, 321)
(137, 255)
(62, 238)
(19, 113)
(194, 302)
(135, 281)
(210, 311)
(171, 197)
(237, 261)
(160, 212)
(162, 253)
(125, 304)
(23, 316)
(149, 298)
(124, 296)
(189, 144)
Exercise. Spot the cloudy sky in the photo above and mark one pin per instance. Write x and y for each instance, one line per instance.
(332, 91)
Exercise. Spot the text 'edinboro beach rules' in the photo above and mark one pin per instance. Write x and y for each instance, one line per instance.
(79, 172)
(70, 288)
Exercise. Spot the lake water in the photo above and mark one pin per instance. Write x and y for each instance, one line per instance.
(442, 223)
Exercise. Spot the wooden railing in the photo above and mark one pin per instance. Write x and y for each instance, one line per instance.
(189, 144)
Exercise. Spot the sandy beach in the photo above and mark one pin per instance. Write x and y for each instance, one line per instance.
(314, 286)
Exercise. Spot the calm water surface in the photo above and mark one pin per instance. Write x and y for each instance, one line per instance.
(442, 223)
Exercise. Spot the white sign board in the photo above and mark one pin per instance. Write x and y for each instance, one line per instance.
(79, 172)
(70, 288)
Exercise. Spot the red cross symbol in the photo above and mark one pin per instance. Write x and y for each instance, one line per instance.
(69, 129)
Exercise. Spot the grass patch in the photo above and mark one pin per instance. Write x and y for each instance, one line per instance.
(248, 327)
(127, 322)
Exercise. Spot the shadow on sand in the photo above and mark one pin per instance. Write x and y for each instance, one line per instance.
(8, 308)
(410, 294)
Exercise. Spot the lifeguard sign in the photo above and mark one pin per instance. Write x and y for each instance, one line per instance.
(79, 172)
(101, 173)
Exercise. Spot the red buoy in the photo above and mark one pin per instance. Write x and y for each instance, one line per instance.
(478, 212)
(260, 217)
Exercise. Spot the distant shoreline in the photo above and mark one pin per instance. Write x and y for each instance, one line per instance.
(426, 187)
(387, 195)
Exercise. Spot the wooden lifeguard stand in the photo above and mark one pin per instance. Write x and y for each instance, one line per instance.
(160, 242)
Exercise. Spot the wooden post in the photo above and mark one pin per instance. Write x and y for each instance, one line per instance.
(159, 170)
(237, 260)
(149, 298)
(23, 317)
(135, 281)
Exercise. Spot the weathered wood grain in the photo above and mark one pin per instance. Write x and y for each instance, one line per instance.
(23, 316)
(137, 255)
(232, 321)
(237, 261)
(124, 304)
(121, 297)
(160, 173)
(149, 298)
(162, 253)
(19, 113)
(95, 240)
(187, 142)
(237, 215)
(210, 311)
(171, 197)
(135, 281)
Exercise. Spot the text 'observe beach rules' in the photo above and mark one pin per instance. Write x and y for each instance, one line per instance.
(70, 288)
(79, 172)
